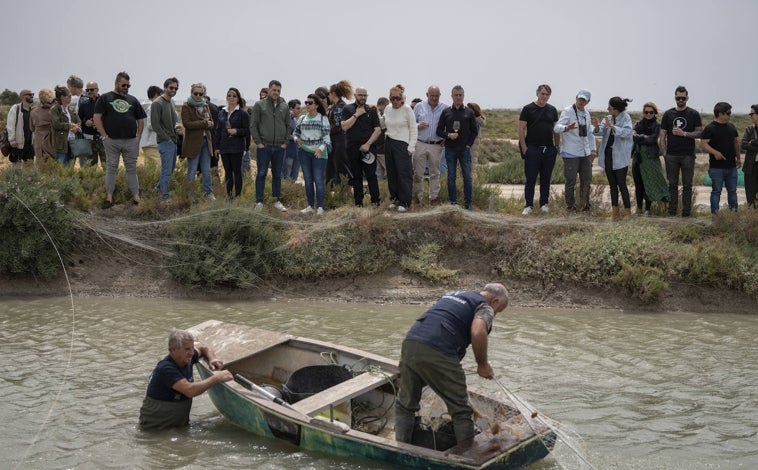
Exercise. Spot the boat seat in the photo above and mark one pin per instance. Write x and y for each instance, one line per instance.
(341, 392)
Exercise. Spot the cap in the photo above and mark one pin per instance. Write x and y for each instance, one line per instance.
(368, 158)
(25, 92)
(584, 94)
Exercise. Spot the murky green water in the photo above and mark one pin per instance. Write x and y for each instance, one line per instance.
(673, 391)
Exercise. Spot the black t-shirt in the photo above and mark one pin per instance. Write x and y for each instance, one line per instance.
(26, 113)
(362, 128)
(120, 114)
(539, 123)
(687, 120)
(722, 139)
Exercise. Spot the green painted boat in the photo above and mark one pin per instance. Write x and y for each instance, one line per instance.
(339, 400)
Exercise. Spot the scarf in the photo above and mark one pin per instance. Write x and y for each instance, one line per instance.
(196, 103)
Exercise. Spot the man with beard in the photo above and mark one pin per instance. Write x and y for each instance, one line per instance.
(164, 120)
(680, 126)
(19, 129)
(361, 125)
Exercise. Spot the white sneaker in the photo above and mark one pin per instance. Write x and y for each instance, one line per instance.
(280, 206)
(307, 210)
(258, 206)
(320, 211)
(545, 209)
(401, 209)
(391, 206)
(527, 210)
(210, 197)
(646, 214)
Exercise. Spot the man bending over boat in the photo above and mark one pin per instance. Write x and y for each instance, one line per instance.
(172, 386)
(432, 352)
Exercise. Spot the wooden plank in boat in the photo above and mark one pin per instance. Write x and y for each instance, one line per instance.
(232, 342)
(341, 392)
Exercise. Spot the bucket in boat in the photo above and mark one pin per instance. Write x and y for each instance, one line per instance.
(309, 380)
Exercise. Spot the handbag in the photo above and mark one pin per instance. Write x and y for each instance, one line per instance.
(5, 144)
(80, 147)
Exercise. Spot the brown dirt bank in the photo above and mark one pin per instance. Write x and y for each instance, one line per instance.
(113, 269)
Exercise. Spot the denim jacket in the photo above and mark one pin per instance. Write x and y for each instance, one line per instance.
(622, 144)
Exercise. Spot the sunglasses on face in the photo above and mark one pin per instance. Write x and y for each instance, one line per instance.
(680, 98)
(125, 85)
(395, 98)
(649, 112)
(308, 103)
(90, 90)
(29, 94)
(173, 88)
(197, 94)
(750, 113)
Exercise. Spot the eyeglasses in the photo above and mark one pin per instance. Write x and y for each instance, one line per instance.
(648, 112)
(681, 98)
(308, 103)
(125, 85)
(90, 89)
(197, 93)
(395, 98)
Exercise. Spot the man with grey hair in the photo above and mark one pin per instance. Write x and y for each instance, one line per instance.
(172, 386)
(578, 150)
(432, 352)
(428, 152)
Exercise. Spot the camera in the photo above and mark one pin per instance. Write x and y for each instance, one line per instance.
(582, 130)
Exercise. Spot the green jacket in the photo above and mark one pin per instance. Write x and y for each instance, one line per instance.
(270, 123)
(60, 124)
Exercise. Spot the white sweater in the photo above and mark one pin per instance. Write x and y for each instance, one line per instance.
(401, 125)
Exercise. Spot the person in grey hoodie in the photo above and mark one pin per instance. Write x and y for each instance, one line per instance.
(270, 128)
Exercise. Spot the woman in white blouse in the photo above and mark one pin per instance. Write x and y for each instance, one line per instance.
(399, 145)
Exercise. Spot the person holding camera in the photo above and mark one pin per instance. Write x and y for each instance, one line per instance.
(578, 150)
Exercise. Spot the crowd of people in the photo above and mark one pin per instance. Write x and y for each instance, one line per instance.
(341, 137)
(543, 134)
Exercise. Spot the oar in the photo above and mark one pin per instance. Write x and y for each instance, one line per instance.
(262, 391)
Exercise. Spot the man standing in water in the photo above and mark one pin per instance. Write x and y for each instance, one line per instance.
(172, 386)
(432, 352)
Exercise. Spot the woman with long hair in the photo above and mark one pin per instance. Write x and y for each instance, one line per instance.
(649, 182)
(399, 144)
(615, 153)
(39, 122)
(197, 146)
(312, 139)
(232, 132)
(338, 162)
(65, 125)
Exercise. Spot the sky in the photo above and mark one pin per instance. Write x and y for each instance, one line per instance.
(498, 50)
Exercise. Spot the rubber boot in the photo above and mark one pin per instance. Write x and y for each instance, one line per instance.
(615, 213)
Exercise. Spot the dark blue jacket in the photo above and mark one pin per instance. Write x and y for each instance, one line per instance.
(239, 120)
(446, 326)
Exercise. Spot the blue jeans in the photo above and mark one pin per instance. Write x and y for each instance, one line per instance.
(538, 160)
(167, 149)
(720, 177)
(453, 156)
(204, 161)
(291, 166)
(274, 155)
(63, 157)
(314, 173)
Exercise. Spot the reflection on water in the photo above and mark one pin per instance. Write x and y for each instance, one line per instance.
(675, 391)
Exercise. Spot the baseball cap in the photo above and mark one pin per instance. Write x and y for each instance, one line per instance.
(368, 158)
(584, 94)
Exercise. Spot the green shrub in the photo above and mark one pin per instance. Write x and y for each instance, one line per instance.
(32, 211)
(230, 247)
(646, 283)
(424, 262)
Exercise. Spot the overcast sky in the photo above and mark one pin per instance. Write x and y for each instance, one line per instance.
(498, 50)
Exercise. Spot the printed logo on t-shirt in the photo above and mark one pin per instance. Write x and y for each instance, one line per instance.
(680, 123)
(121, 106)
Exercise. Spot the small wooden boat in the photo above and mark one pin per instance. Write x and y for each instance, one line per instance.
(352, 414)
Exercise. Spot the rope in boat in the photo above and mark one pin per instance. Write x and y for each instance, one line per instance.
(62, 385)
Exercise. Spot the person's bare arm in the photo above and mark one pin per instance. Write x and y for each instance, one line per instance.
(193, 389)
(479, 346)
